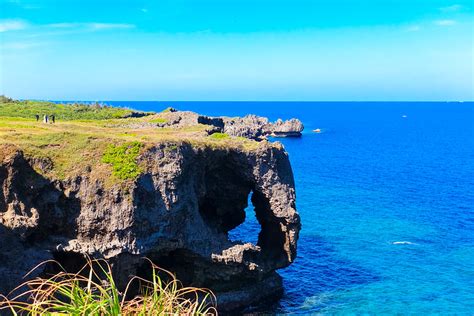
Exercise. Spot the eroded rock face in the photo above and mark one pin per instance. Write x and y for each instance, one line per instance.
(179, 119)
(257, 127)
(177, 213)
(290, 128)
(250, 126)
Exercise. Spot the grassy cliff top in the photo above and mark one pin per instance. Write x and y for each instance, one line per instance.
(65, 112)
(98, 140)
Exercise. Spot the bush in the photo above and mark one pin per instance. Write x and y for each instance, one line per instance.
(92, 291)
(123, 159)
(5, 99)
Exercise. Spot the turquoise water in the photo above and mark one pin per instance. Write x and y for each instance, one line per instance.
(386, 201)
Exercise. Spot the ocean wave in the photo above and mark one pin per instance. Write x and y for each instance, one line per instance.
(403, 242)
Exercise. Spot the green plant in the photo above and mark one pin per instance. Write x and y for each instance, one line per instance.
(92, 291)
(123, 159)
(219, 136)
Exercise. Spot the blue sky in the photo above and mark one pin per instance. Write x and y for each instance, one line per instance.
(237, 50)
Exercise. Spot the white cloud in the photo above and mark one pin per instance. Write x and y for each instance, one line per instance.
(91, 26)
(107, 26)
(12, 25)
(445, 22)
(144, 10)
(452, 8)
(64, 25)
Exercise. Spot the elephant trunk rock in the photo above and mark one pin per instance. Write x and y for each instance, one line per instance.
(177, 213)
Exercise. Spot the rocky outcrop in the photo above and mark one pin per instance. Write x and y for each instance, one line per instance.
(181, 119)
(177, 213)
(290, 128)
(250, 126)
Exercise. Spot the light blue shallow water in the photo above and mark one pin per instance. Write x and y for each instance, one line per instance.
(387, 205)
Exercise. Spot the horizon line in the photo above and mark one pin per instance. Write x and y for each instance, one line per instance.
(258, 101)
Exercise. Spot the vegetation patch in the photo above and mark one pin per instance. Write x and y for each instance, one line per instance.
(127, 134)
(168, 109)
(171, 147)
(5, 99)
(65, 112)
(78, 146)
(158, 120)
(219, 136)
(123, 159)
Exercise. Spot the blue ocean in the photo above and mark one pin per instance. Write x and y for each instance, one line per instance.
(386, 196)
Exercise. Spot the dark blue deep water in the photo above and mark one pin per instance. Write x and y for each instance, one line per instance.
(386, 202)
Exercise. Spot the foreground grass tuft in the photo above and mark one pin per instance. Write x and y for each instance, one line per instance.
(123, 159)
(92, 291)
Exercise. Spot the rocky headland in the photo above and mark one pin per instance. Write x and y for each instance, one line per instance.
(250, 126)
(60, 199)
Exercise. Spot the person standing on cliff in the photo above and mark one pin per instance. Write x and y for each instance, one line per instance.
(45, 119)
(37, 117)
(53, 119)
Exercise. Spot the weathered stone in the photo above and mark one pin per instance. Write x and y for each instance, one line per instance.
(179, 119)
(290, 128)
(256, 127)
(250, 126)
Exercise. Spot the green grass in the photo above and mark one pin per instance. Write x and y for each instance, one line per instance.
(92, 291)
(219, 136)
(158, 120)
(71, 153)
(76, 144)
(123, 159)
(65, 112)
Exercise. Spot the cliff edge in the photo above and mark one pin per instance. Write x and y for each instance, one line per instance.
(177, 210)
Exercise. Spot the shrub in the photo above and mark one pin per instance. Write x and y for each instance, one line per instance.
(123, 159)
(92, 291)
(5, 99)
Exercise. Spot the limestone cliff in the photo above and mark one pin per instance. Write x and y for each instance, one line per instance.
(178, 213)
